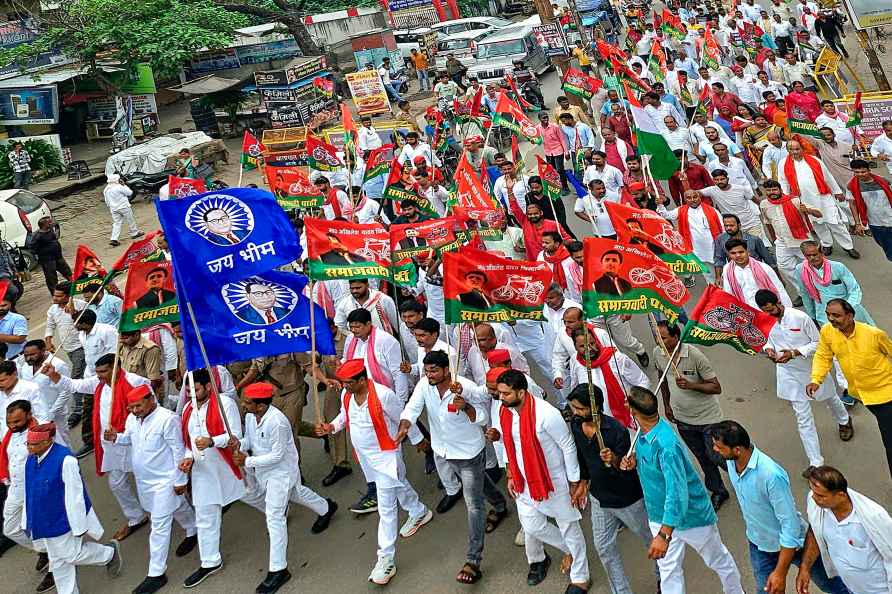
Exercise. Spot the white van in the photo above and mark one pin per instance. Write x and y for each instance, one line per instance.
(484, 23)
(497, 52)
(461, 45)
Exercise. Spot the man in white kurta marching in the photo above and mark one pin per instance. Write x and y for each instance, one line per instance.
(792, 343)
(379, 349)
(564, 350)
(216, 480)
(699, 224)
(13, 388)
(13, 455)
(268, 453)
(55, 401)
(110, 410)
(542, 468)
(156, 449)
(807, 178)
(61, 511)
(743, 275)
(371, 412)
(486, 342)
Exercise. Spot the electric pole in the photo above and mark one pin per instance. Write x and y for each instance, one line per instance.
(875, 67)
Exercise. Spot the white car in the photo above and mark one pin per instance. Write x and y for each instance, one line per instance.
(488, 24)
(461, 45)
(19, 212)
(409, 39)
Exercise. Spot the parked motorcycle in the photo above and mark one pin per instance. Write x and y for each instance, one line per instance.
(146, 184)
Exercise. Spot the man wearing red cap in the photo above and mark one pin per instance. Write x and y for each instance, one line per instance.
(110, 410)
(156, 447)
(371, 412)
(216, 480)
(268, 453)
(61, 513)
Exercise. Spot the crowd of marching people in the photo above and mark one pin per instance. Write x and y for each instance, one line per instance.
(551, 417)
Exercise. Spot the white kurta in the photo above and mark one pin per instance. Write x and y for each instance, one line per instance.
(156, 448)
(555, 317)
(385, 468)
(573, 291)
(808, 189)
(227, 389)
(388, 355)
(560, 456)
(115, 456)
(23, 390)
(747, 282)
(796, 331)
(564, 350)
(54, 399)
(213, 482)
(478, 366)
(701, 235)
(274, 456)
(625, 370)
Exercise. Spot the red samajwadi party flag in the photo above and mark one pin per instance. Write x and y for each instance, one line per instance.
(252, 151)
(721, 318)
(150, 297)
(576, 82)
(401, 186)
(469, 189)
(637, 226)
(341, 250)
(410, 239)
(619, 278)
(481, 287)
(485, 222)
(180, 187)
(510, 115)
(551, 179)
(145, 249)
(292, 188)
(377, 162)
(88, 270)
(321, 155)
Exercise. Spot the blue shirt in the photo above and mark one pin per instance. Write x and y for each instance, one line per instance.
(672, 100)
(108, 311)
(17, 325)
(766, 502)
(586, 136)
(674, 495)
(690, 67)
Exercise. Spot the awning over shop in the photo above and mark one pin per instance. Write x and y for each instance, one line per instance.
(42, 78)
(295, 85)
(206, 85)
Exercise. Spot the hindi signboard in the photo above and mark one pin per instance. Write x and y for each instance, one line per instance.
(368, 92)
(551, 38)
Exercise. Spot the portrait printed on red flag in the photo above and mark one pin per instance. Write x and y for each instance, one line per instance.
(411, 239)
(487, 223)
(150, 296)
(292, 188)
(619, 278)
(481, 287)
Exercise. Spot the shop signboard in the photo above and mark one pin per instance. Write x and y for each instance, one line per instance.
(213, 61)
(368, 92)
(550, 38)
(258, 53)
(868, 13)
(33, 105)
(877, 109)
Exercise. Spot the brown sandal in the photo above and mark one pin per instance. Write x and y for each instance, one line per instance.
(469, 574)
(128, 530)
(494, 518)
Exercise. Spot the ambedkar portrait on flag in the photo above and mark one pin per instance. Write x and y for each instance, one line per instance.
(220, 219)
(258, 301)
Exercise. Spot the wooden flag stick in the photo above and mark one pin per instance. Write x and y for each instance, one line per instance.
(668, 365)
(204, 356)
(596, 416)
(655, 330)
(317, 406)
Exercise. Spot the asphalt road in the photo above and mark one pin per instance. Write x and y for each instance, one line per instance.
(340, 559)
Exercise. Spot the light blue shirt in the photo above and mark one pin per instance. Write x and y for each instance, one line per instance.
(842, 285)
(586, 136)
(766, 502)
(607, 110)
(108, 311)
(16, 325)
(689, 66)
(674, 495)
(672, 100)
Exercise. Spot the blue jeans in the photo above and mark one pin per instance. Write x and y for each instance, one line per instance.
(471, 472)
(764, 563)
(424, 81)
(391, 92)
(883, 236)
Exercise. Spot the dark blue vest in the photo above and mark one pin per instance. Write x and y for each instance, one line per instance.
(45, 494)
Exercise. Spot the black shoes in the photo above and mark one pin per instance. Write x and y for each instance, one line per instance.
(274, 580)
(48, 584)
(5, 544)
(538, 571)
(199, 576)
(854, 254)
(324, 520)
(448, 502)
(114, 565)
(827, 250)
(150, 585)
(643, 360)
(336, 474)
(718, 499)
(84, 451)
(429, 465)
(187, 545)
(43, 562)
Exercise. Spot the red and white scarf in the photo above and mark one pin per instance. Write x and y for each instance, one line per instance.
(816, 170)
(860, 205)
(809, 278)
(616, 396)
(712, 218)
(557, 264)
(4, 452)
(373, 305)
(371, 359)
(799, 225)
(376, 414)
(534, 464)
(214, 425)
(118, 414)
(332, 200)
(763, 281)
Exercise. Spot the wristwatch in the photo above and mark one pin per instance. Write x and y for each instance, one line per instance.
(664, 536)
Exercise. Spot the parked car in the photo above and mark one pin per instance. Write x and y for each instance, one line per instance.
(409, 39)
(19, 212)
(471, 24)
(497, 52)
(461, 45)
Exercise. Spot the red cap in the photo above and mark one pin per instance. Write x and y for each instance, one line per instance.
(496, 356)
(39, 433)
(350, 369)
(419, 159)
(493, 375)
(258, 391)
(472, 139)
(138, 393)
(634, 186)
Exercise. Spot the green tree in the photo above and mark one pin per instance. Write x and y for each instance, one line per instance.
(162, 33)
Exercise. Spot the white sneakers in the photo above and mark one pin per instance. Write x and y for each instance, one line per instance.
(519, 539)
(383, 571)
(413, 524)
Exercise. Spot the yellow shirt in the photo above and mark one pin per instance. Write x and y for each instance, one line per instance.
(864, 358)
(580, 55)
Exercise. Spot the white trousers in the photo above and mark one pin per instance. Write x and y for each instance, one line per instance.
(707, 541)
(827, 233)
(208, 522)
(787, 259)
(119, 483)
(621, 333)
(68, 551)
(159, 538)
(119, 217)
(390, 499)
(12, 520)
(567, 537)
(448, 476)
(805, 423)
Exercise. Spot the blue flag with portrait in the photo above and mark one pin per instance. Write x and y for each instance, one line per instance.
(227, 235)
(259, 316)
